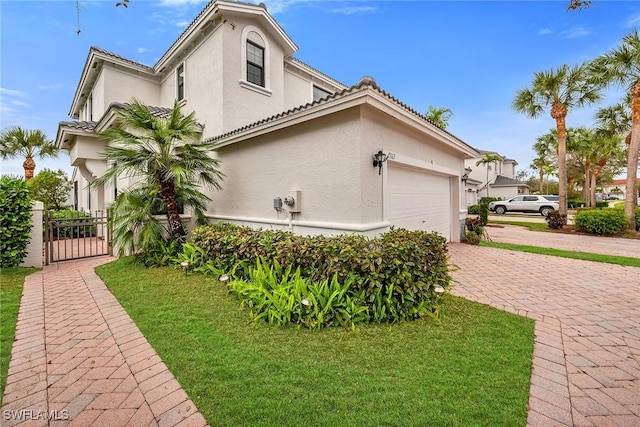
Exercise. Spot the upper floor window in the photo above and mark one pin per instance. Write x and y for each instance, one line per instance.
(180, 82)
(90, 108)
(319, 93)
(255, 64)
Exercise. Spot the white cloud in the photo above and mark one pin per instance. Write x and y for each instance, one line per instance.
(356, 10)
(19, 103)
(545, 31)
(182, 23)
(11, 92)
(52, 86)
(174, 3)
(142, 50)
(575, 32)
(632, 21)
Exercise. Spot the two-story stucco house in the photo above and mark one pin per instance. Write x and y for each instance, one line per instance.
(495, 179)
(284, 132)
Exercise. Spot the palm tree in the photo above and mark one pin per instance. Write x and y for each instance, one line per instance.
(545, 147)
(439, 116)
(621, 66)
(485, 160)
(607, 148)
(561, 89)
(18, 142)
(163, 152)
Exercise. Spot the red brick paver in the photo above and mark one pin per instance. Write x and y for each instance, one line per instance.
(586, 364)
(79, 360)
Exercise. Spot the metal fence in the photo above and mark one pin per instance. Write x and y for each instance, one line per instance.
(74, 238)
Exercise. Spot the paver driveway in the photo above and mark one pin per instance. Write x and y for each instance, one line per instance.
(79, 360)
(586, 367)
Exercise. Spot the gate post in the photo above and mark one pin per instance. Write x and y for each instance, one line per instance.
(34, 248)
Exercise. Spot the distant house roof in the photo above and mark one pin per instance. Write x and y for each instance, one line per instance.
(503, 181)
(88, 126)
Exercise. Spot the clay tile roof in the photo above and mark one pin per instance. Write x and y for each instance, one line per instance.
(88, 126)
(121, 58)
(364, 83)
(162, 112)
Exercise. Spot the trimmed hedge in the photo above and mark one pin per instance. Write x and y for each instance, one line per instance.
(15, 221)
(397, 272)
(600, 221)
(67, 231)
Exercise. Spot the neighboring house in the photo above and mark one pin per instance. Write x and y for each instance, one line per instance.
(284, 132)
(617, 188)
(496, 179)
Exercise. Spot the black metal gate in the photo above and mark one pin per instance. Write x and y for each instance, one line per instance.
(73, 238)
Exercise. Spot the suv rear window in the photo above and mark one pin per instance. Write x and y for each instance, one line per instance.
(552, 198)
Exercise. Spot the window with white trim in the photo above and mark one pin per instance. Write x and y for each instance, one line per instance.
(180, 82)
(255, 64)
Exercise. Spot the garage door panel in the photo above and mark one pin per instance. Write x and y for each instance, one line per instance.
(417, 200)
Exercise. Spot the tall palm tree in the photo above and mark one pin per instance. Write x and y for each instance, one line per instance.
(164, 153)
(486, 160)
(439, 116)
(544, 162)
(606, 148)
(561, 89)
(621, 66)
(18, 142)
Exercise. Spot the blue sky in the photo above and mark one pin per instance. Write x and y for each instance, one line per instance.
(469, 56)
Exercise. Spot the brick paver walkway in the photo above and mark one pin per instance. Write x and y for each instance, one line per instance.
(79, 360)
(586, 365)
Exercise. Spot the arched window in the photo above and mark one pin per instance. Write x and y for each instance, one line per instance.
(255, 60)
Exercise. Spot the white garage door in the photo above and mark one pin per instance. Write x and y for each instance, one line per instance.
(417, 200)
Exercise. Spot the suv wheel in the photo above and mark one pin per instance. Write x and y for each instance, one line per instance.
(546, 210)
(500, 210)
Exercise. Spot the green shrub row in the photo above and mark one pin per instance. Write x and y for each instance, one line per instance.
(600, 221)
(15, 221)
(64, 229)
(394, 274)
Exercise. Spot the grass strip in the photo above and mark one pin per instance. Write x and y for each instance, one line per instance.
(533, 226)
(11, 282)
(587, 256)
(471, 368)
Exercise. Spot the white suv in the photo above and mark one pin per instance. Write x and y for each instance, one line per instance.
(529, 203)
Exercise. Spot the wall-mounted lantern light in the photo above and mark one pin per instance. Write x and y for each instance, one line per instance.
(465, 177)
(378, 159)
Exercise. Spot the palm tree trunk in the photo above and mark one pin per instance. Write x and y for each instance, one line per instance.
(541, 181)
(586, 192)
(29, 166)
(168, 194)
(559, 113)
(632, 157)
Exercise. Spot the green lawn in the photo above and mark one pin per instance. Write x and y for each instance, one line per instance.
(472, 368)
(587, 256)
(11, 281)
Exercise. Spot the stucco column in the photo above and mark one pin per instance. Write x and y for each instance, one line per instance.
(34, 248)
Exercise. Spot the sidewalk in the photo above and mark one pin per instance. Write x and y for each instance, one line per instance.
(79, 360)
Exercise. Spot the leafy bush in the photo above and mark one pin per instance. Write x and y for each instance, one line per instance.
(15, 221)
(51, 188)
(555, 220)
(601, 204)
(473, 209)
(396, 272)
(281, 296)
(575, 203)
(69, 224)
(600, 221)
(488, 200)
(620, 206)
(484, 213)
(474, 231)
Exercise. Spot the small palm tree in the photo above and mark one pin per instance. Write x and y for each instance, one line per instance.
(561, 89)
(164, 153)
(486, 160)
(439, 116)
(621, 66)
(18, 142)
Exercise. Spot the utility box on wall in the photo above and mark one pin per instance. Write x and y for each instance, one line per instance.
(292, 202)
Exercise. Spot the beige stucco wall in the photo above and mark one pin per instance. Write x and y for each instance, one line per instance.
(319, 158)
(120, 86)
